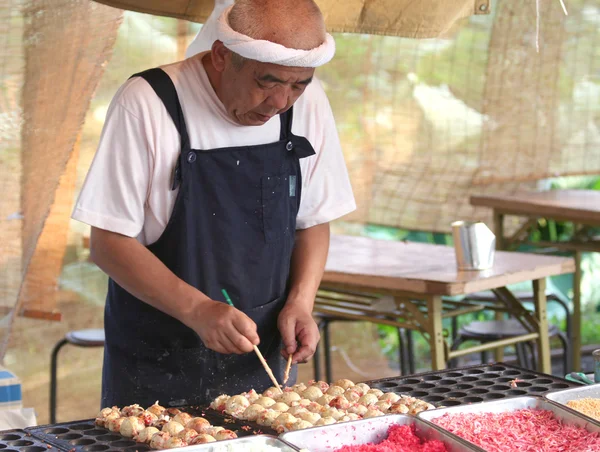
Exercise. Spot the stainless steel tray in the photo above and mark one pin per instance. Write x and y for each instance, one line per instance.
(582, 392)
(240, 444)
(374, 430)
(565, 415)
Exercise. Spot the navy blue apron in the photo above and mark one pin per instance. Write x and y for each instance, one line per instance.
(232, 227)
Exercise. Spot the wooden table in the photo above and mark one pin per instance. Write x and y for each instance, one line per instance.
(408, 272)
(580, 207)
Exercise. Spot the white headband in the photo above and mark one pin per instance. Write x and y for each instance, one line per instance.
(270, 52)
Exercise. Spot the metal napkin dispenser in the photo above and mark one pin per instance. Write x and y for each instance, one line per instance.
(474, 245)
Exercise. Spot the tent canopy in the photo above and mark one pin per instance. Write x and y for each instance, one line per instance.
(406, 18)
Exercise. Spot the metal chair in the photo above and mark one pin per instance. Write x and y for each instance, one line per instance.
(493, 330)
(80, 338)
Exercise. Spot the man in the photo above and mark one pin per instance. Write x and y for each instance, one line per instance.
(207, 182)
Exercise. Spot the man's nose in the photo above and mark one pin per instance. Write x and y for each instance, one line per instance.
(279, 99)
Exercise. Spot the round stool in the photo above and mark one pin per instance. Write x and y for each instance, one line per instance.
(80, 338)
(494, 330)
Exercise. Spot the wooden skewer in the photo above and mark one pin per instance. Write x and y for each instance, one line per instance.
(256, 350)
(267, 368)
(286, 374)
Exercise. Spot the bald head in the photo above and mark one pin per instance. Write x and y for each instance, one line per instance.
(296, 24)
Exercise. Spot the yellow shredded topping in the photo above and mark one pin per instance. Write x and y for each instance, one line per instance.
(588, 406)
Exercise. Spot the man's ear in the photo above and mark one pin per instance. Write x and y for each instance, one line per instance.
(219, 54)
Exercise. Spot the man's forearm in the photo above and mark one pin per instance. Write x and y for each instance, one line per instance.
(143, 275)
(308, 263)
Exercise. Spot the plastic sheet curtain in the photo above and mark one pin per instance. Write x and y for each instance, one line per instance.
(53, 56)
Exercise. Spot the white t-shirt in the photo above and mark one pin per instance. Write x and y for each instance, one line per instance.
(128, 187)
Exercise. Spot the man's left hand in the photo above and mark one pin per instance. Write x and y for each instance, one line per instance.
(299, 332)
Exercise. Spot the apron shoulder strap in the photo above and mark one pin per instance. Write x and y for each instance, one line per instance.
(286, 123)
(164, 88)
(300, 145)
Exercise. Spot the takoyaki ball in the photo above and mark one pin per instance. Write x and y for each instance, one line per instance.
(368, 399)
(202, 438)
(302, 402)
(398, 408)
(341, 402)
(419, 406)
(187, 434)
(353, 395)
(103, 421)
(114, 425)
(132, 410)
(350, 417)
(251, 395)
(159, 440)
(174, 442)
(325, 399)
(328, 420)
(299, 388)
(300, 425)
(156, 409)
(280, 406)
(383, 405)
(271, 392)
(359, 409)
(146, 435)
(283, 422)
(148, 418)
(172, 412)
(288, 398)
(312, 393)
(236, 405)
(252, 412)
(106, 411)
(313, 418)
(391, 397)
(314, 407)
(267, 418)
(344, 383)
(373, 413)
(212, 431)
(225, 434)
(199, 424)
(377, 392)
(267, 402)
(182, 418)
(363, 387)
(296, 410)
(336, 391)
(131, 426)
(172, 428)
(333, 412)
(219, 403)
(322, 385)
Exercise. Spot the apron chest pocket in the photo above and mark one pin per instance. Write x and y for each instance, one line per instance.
(276, 206)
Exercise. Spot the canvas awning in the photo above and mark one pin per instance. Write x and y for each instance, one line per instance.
(407, 18)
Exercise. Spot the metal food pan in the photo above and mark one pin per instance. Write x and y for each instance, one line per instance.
(581, 392)
(19, 440)
(566, 416)
(241, 444)
(472, 384)
(373, 430)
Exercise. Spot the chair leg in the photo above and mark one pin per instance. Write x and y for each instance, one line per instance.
(317, 356)
(410, 347)
(54, 377)
(327, 345)
(401, 352)
(521, 355)
(455, 345)
(564, 339)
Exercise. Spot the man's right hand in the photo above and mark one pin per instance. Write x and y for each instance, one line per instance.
(224, 329)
